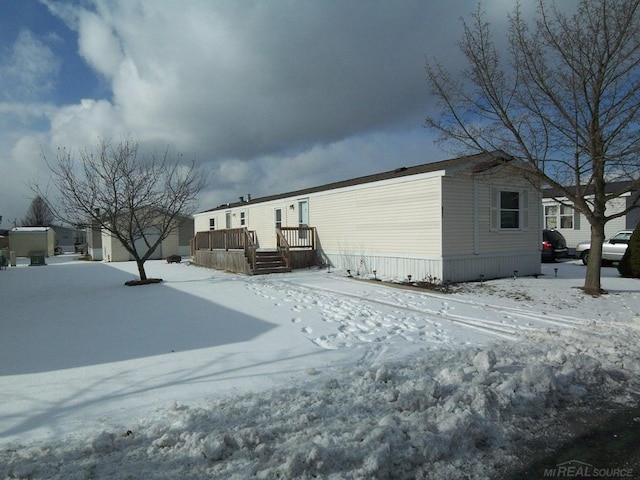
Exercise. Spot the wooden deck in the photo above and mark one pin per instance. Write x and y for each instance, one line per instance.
(236, 250)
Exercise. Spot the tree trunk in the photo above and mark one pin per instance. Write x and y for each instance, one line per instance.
(141, 272)
(592, 284)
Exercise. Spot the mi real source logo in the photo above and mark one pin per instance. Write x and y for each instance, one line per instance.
(577, 469)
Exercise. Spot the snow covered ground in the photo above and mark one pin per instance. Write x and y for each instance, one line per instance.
(303, 375)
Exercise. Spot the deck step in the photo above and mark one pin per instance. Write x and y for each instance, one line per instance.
(268, 261)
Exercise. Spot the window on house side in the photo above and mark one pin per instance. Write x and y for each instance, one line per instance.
(212, 224)
(566, 216)
(509, 210)
(550, 217)
(242, 219)
(558, 216)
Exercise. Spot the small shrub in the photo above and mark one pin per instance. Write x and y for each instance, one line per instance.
(629, 266)
(174, 259)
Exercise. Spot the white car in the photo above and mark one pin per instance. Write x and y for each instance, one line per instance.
(612, 249)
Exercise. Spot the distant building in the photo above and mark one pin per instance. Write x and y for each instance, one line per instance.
(559, 214)
(101, 245)
(26, 240)
(69, 239)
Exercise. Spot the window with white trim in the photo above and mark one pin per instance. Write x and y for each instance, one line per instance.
(243, 219)
(550, 217)
(561, 216)
(212, 224)
(278, 217)
(509, 209)
(566, 216)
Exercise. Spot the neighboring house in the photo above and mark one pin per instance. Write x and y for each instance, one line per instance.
(26, 240)
(4, 239)
(573, 225)
(68, 239)
(177, 243)
(93, 234)
(454, 220)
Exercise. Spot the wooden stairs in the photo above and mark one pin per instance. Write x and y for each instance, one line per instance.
(269, 261)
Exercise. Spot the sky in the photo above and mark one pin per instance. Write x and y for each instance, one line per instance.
(265, 97)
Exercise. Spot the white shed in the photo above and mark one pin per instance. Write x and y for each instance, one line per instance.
(27, 240)
(454, 220)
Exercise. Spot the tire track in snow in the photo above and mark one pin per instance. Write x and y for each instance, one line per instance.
(492, 327)
(352, 322)
(557, 320)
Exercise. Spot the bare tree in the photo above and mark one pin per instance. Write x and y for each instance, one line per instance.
(138, 199)
(564, 96)
(39, 213)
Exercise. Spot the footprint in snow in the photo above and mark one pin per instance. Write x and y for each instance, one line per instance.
(296, 320)
(306, 330)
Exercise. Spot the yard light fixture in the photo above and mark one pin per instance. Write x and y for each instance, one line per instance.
(481, 279)
(515, 274)
(349, 272)
(374, 274)
(555, 272)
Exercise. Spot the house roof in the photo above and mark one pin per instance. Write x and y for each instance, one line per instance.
(610, 187)
(478, 163)
(30, 229)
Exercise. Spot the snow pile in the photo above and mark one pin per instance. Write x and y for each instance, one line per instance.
(440, 415)
(440, 410)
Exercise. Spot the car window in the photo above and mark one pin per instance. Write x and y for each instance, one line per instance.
(555, 237)
(622, 237)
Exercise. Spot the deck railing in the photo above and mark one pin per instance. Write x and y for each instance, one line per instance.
(227, 239)
(283, 247)
(287, 238)
(299, 237)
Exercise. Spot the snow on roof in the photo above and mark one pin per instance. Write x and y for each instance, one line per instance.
(30, 229)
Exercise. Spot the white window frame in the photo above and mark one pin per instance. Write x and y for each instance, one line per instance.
(212, 223)
(551, 216)
(243, 218)
(276, 222)
(566, 217)
(497, 209)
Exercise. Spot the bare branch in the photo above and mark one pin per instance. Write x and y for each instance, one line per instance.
(138, 199)
(565, 98)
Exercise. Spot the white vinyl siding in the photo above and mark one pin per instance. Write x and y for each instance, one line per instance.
(399, 218)
(458, 216)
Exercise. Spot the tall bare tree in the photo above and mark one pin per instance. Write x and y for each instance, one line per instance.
(564, 96)
(138, 199)
(39, 213)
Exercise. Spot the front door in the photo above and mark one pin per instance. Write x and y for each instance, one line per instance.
(277, 214)
(303, 218)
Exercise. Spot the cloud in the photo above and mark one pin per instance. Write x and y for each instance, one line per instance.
(28, 69)
(267, 96)
(242, 79)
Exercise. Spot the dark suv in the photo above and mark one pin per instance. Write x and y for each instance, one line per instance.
(554, 246)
